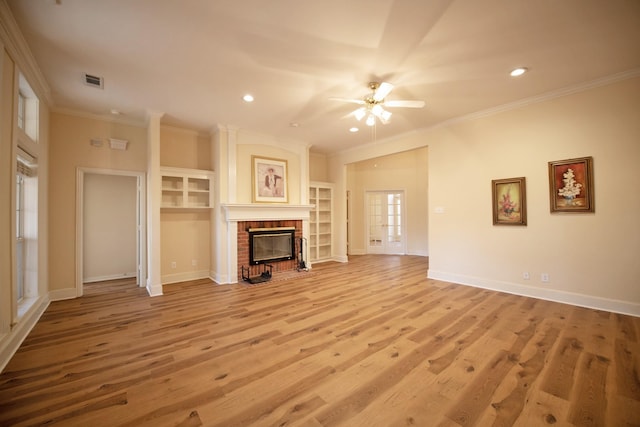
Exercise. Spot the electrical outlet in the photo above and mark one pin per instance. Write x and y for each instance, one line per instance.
(544, 277)
(194, 262)
(174, 264)
(526, 276)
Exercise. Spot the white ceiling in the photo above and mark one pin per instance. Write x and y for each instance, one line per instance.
(193, 60)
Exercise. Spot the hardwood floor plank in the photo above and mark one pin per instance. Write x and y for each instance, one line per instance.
(476, 398)
(560, 374)
(372, 342)
(590, 405)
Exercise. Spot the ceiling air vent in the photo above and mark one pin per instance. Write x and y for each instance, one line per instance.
(94, 81)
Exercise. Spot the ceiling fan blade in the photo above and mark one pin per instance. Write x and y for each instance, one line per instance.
(404, 103)
(383, 90)
(352, 101)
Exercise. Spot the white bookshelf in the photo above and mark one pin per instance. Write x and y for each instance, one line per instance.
(186, 188)
(320, 221)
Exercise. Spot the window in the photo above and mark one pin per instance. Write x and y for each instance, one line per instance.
(20, 252)
(26, 282)
(26, 285)
(27, 114)
(21, 109)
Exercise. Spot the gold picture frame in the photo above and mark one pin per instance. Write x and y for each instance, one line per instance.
(509, 201)
(571, 185)
(270, 181)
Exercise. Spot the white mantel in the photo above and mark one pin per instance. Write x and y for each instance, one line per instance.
(234, 212)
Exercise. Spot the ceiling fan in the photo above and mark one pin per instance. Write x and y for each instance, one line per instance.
(373, 104)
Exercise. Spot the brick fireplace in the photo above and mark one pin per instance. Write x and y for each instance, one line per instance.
(243, 246)
(233, 238)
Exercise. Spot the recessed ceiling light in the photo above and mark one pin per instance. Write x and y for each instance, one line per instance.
(115, 112)
(354, 130)
(519, 71)
(294, 124)
(248, 98)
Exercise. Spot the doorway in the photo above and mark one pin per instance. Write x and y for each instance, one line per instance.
(87, 203)
(385, 222)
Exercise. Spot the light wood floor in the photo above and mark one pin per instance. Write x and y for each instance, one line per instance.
(368, 343)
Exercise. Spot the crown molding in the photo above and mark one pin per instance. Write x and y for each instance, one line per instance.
(16, 45)
(569, 90)
(102, 117)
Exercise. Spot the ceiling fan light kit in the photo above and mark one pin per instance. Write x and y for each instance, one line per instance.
(374, 103)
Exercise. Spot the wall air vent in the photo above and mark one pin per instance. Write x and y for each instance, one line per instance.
(94, 81)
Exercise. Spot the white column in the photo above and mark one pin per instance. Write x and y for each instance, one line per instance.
(154, 199)
(224, 235)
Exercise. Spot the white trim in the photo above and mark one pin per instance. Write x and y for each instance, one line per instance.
(108, 118)
(128, 275)
(10, 343)
(184, 277)
(265, 212)
(403, 221)
(141, 215)
(19, 50)
(581, 300)
(154, 290)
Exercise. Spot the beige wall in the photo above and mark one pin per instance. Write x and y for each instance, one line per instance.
(253, 144)
(185, 235)
(70, 149)
(406, 171)
(318, 167)
(184, 148)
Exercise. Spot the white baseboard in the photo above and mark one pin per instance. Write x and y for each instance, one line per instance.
(183, 277)
(419, 253)
(10, 342)
(154, 290)
(581, 300)
(357, 252)
(109, 277)
(220, 279)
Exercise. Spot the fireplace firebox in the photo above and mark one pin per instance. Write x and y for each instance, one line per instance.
(271, 244)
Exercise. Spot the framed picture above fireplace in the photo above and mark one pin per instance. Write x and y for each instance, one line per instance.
(269, 178)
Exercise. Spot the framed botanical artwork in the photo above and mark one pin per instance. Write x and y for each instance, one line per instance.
(571, 185)
(269, 178)
(509, 201)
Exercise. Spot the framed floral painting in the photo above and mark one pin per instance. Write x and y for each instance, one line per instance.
(269, 180)
(509, 201)
(571, 185)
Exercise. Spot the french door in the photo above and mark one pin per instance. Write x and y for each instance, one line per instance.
(385, 222)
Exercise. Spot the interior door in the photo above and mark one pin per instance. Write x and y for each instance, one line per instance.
(385, 224)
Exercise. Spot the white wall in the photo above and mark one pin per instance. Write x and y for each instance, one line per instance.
(591, 258)
(109, 236)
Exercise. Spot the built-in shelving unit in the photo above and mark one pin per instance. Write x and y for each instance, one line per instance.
(186, 188)
(320, 221)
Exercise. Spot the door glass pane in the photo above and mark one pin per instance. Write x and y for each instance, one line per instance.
(375, 220)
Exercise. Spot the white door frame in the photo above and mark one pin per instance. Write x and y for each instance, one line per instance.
(141, 217)
(385, 246)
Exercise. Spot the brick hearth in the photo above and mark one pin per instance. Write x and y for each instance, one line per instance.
(243, 246)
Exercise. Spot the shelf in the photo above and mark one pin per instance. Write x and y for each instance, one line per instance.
(320, 219)
(186, 189)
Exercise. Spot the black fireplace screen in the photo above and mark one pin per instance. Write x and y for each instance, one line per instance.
(271, 244)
